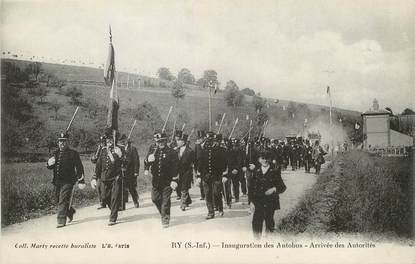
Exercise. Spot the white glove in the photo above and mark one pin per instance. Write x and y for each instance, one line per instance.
(81, 186)
(224, 179)
(51, 161)
(243, 169)
(234, 171)
(252, 207)
(135, 174)
(173, 185)
(198, 173)
(251, 166)
(151, 158)
(93, 184)
(274, 161)
(198, 181)
(146, 172)
(271, 191)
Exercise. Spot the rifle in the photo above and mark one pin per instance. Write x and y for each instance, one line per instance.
(167, 119)
(184, 125)
(73, 117)
(221, 122)
(131, 131)
(174, 128)
(164, 126)
(234, 125)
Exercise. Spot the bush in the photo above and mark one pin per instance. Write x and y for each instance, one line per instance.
(360, 193)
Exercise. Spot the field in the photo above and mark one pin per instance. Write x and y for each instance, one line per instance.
(358, 193)
(27, 191)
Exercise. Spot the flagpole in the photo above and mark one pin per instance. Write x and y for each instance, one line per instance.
(210, 108)
(331, 123)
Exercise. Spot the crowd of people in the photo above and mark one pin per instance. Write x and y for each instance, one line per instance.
(223, 168)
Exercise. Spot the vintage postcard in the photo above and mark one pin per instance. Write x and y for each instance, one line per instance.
(189, 131)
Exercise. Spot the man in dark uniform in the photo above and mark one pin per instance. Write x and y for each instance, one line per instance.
(163, 164)
(185, 169)
(308, 160)
(67, 170)
(223, 143)
(173, 145)
(250, 162)
(212, 173)
(109, 169)
(264, 188)
(132, 163)
(235, 162)
(94, 159)
(200, 141)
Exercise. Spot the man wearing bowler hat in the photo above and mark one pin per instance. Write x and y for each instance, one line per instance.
(163, 164)
(67, 170)
(185, 169)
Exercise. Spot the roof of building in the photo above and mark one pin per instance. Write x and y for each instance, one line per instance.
(378, 112)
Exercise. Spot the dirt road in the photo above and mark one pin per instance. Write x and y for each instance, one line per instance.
(140, 230)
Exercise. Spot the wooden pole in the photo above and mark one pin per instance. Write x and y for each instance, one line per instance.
(210, 108)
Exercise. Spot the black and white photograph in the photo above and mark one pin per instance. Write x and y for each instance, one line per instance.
(184, 131)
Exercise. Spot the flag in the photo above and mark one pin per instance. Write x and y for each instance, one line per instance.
(356, 126)
(328, 90)
(109, 68)
(216, 88)
(113, 106)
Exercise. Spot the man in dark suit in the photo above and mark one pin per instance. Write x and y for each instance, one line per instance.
(132, 168)
(264, 188)
(185, 169)
(67, 170)
(200, 141)
(163, 164)
(235, 163)
(108, 170)
(94, 159)
(212, 173)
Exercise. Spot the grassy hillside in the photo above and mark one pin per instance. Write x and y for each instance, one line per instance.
(193, 108)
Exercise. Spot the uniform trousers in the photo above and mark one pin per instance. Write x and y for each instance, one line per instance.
(263, 212)
(112, 196)
(63, 193)
(161, 198)
(213, 192)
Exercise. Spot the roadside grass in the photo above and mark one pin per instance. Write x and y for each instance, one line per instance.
(358, 193)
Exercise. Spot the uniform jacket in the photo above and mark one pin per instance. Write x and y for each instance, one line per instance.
(235, 159)
(151, 150)
(68, 167)
(132, 162)
(164, 167)
(251, 157)
(308, 150)
(259, 183)
(318, 154)
(105, 169)
(212, 163)
(185, 166)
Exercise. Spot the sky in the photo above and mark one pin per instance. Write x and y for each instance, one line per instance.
(288, 49)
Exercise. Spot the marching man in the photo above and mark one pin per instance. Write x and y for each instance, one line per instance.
(162, 161)
(67, 170)
(212, 172)
(109, 169)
